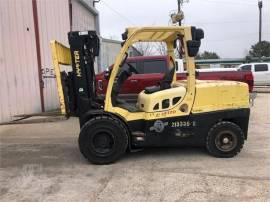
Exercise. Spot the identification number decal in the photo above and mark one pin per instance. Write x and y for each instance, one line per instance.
(178, 124)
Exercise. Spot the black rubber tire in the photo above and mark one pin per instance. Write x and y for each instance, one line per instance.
(103, 124)
(217, 129)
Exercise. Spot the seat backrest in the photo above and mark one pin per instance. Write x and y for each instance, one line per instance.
(167, 79)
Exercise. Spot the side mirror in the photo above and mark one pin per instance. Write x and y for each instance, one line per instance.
(193, 47)
(125, 35)
(124, 38)
(197, 34)
(107, 73)
(194, 44)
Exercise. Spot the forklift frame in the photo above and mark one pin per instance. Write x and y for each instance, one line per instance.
(209, 113)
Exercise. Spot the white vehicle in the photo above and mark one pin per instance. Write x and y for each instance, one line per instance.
(217, 69)
(179, 65)
(261, 72)
(180, 68)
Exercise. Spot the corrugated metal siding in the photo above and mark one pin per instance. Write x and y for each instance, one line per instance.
(82, 18)
(53, 18)
(19, 84)
(108, 52)
(19, 81)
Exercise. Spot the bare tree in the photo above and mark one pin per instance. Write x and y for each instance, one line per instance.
(144, 48)
(151, 48)
(161, 48)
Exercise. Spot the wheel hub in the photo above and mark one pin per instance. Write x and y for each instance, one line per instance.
(226, 141)
(103, 142)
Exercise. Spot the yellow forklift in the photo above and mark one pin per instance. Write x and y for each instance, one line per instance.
(214, 114)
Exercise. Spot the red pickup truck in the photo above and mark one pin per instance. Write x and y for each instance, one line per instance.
(148, 76)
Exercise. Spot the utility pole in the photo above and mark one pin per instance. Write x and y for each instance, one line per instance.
(179, 10)
(179, 16)
(260, 5)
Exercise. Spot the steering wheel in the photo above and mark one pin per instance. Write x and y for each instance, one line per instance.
(132, 68)
(123, 75)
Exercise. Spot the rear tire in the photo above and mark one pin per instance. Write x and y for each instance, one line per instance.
(103, 140)
(225, 139)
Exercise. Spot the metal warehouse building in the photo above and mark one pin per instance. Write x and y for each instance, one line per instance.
(27, 81)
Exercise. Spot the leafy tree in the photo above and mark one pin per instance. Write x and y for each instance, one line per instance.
(260, 49)
(207, 55)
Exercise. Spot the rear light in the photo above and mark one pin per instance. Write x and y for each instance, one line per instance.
(250, 81)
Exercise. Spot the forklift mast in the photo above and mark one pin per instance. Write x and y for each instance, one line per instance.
(80, 93)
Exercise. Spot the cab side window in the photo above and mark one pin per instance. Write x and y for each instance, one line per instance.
(246, 68)
(134, 64)
(155, 66)
(261, 68)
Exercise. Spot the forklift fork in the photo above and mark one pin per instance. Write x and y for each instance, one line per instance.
(61, 56)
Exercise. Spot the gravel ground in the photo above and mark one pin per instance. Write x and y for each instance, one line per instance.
(41, 162)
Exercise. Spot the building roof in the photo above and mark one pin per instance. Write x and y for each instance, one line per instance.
(230, 60)
(111, 41)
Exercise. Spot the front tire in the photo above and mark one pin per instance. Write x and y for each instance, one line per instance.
(225, 139)
(103, 140)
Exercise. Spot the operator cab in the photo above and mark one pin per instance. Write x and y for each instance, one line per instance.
(161, 96)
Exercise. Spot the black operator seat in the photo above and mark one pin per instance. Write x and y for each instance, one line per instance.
(165, 83)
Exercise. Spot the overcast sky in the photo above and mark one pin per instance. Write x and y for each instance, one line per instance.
(231, 26)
